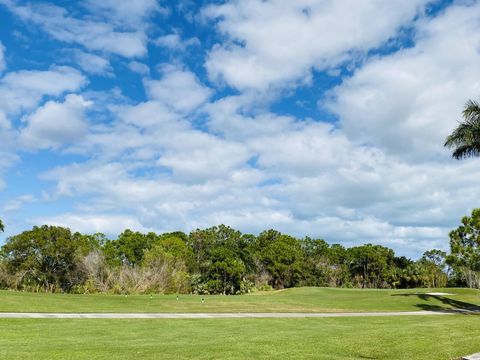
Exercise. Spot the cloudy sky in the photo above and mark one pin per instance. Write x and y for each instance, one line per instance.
(323, 118)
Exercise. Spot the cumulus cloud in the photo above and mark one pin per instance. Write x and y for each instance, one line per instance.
(130, 14)
(271, 43)
(93, 64)
(139, 68)
(151, 134)
(195, 157)
(154, 116)
(229, 117)
(52, 82)
(408, 102)
(56, 123)
(93, 35)
(175, 42)
(22, 90)
(159, 202)
(178, 88)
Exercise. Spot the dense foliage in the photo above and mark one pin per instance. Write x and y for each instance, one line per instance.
(222, 260)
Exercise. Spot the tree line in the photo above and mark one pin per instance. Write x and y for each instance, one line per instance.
(222, 260)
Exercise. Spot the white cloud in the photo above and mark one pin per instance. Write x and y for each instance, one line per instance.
(179, 89)
(93, 35)
(227, 117)
(93, 64)
(152, 134)
(7, 157)
(89, 224)
(2, 57)
(156, 201)
(311, 149)
(408, 102)
(55, 124)
(174, 42)
(275, 42)
(152, 115)
(195, 157)
(130, 14)
(139, 68)
(18, 202)
(4, 123)
(51, 82)
(22, 90)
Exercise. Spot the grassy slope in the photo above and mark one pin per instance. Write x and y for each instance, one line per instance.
(291, 300)
(430, 337)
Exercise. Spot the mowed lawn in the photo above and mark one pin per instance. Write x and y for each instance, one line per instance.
(428, 337)
(386, 337)
(290, 300)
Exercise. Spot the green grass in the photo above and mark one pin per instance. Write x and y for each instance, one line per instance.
(291, 300)
(429, 337)
(426, 337)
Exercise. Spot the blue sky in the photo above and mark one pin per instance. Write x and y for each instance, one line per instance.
(317, 118)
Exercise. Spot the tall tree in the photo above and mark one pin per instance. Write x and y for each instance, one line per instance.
(434, 263)
(370, 264)
(465, 139)
(220, 256)
(2, 227)
(45, 257)
(465, 250)
(281, 256)
(129, 248)
(316, 266)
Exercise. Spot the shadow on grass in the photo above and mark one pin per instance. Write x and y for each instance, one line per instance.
(446, 304)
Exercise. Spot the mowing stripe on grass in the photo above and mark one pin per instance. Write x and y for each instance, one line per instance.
(214, 315)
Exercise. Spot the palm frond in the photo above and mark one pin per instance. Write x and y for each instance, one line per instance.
(465, 151)
(465, 139)
(465, 133)
(471, 111)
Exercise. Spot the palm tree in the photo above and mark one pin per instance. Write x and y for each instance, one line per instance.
(1, 226)
(465, 139)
